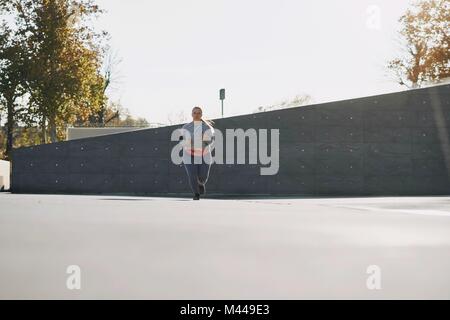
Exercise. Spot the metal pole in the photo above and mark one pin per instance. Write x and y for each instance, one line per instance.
(222, 97)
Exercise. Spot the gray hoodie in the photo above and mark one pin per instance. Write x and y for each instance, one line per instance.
(198, 130)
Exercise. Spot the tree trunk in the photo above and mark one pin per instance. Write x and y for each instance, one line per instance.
(9, 128)
(44, 130)
(52, 127)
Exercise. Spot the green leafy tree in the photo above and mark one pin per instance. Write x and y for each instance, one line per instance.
(66, 80)
(12, 75)
(63, 78)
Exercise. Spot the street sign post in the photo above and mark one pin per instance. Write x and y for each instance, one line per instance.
(222, 97)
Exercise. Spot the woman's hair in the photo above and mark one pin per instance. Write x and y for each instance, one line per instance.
(204, 119)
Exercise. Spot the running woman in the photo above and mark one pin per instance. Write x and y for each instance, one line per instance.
(197, 159)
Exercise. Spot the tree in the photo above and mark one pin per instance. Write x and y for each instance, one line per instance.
(425, 35)
(297, 101)
(111, 76)
(66, 79)
(63, 80)
(12, 74)
(57, 68)
(118, 116)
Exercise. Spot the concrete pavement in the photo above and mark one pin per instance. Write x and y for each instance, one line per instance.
(176, 248)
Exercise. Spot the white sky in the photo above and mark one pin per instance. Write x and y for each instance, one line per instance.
(179, 53)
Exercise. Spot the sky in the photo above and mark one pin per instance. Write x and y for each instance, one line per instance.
(176, 54)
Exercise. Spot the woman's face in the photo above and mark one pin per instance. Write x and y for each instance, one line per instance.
(196, 114)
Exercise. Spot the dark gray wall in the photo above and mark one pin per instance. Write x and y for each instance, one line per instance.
(392, 144)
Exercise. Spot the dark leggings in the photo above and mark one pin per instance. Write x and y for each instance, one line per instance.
(197, 173)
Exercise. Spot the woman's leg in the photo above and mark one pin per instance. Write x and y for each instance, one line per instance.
(192, 173)
(203, 172)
